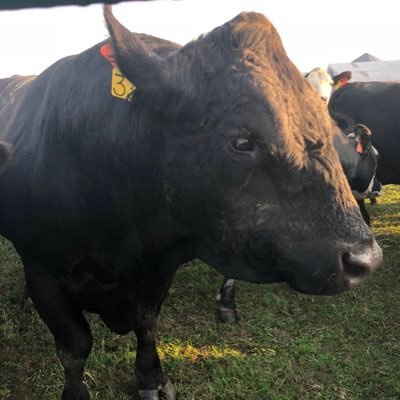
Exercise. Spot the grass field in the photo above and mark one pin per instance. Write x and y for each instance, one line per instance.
(287, 346)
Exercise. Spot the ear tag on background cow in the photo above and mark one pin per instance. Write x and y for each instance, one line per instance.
(121, 87)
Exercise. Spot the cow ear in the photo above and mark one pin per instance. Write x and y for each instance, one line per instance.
(341, 79)
(135, 60)
(363, 138)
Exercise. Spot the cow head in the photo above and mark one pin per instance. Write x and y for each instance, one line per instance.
(324, 84)
(321, 81)
(360, 162)
(246, 158)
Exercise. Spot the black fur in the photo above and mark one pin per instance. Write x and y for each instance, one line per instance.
(105, 198)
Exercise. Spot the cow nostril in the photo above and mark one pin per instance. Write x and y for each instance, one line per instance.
(354, 268)
(360, 261)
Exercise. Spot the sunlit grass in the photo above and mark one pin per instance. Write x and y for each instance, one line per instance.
(187, 352)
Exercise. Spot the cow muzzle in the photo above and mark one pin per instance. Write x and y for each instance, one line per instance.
(360, 261)
(332, 275)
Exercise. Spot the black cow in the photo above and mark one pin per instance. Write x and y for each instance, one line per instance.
(374, 104)
(359, 161)
(324, 84)
(223, 153)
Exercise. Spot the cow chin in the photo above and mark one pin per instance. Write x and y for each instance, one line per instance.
(298, 277)
(244, 267)
(274, 271)
(329, 286)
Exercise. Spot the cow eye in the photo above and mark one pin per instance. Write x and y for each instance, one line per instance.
(242, 144)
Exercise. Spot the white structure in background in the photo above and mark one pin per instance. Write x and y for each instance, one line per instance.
(367, 68)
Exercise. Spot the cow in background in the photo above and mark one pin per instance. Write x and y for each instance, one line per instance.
(375, 104)
(360, 161)
(320, 80)
(324, 84)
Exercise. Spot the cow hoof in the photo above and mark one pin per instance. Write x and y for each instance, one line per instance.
(228, 315)
(84, 394)
(166, 392)
(69, 394)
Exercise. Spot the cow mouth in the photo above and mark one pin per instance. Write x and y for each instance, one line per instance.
(337, 269)
(349, 270)
(323, 290)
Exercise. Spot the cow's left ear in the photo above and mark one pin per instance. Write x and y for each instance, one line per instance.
(363, 138)
(135, 60)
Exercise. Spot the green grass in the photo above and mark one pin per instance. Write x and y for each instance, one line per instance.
(287, 346)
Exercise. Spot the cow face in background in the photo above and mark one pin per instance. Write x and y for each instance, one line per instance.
(249, 170)
(324, 84)
(374, 104)
(361, 172)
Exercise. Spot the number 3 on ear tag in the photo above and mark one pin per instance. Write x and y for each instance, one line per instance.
(121, 87)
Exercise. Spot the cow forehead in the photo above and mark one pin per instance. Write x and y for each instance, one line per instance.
(319, 74)
(241, 64)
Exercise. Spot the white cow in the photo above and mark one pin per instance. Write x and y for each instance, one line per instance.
(323, 83)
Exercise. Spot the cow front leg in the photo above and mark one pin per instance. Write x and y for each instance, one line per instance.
(226, 306)
(153, 384)
(68, 326)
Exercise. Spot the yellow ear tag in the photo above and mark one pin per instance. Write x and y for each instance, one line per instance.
(121, 87)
